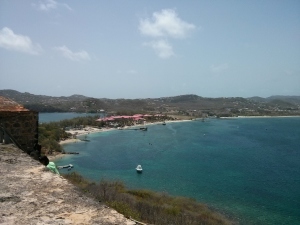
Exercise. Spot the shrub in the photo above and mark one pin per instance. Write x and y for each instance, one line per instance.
(149, 206)
(124, 209)
(77, 180)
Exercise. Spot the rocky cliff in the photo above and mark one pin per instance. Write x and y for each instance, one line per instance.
(29, 194)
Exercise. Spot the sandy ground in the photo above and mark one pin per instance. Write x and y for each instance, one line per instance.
(29, 194)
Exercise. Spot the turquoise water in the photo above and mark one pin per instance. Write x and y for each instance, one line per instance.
(247, 168)
(54, 117)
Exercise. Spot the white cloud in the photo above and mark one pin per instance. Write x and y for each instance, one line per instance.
(75, 56)
(11, 41)
(165, 24)
(219, 68)
(163, 49)
(48, 5)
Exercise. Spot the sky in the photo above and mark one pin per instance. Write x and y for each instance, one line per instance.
(150, 49)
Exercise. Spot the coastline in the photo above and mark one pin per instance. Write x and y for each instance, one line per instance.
(213, 121)
(56, 156)
(89, 130)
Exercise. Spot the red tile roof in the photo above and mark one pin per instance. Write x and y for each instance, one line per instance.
(8, 105)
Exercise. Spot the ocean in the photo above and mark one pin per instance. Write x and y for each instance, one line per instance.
(247, 168)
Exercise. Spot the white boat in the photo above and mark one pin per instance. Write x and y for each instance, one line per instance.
(139, 169)
(66, 166)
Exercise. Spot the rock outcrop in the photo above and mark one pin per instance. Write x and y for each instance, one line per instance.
(29, 194)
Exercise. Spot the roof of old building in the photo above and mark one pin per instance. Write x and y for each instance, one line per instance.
(8, 105)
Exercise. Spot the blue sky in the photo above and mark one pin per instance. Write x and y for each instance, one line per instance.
(148, 49)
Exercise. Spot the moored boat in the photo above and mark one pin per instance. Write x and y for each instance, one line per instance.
(139, 169)
(66, 166)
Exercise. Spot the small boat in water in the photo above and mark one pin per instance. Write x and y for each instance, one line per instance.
(66, 166)
(139, 169)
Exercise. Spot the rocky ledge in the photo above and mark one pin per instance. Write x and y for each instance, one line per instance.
(29, 194)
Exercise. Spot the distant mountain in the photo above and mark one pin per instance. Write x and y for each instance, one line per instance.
(27, 97)
(77, 97)
(183, 104)
(278, 99)
(290, 99)
(43, 103)
(257, 99)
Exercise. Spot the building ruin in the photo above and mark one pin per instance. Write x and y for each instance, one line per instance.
(19, 125)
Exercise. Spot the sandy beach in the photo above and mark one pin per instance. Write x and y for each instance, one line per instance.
(90, 130)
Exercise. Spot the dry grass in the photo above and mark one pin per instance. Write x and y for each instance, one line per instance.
(149, 206)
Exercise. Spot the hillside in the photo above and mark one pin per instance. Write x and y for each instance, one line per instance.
(189, 105)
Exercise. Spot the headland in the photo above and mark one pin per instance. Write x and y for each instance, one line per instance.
(29, 194)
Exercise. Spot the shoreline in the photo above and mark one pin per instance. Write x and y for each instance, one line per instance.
(56, 156)
(91, 130)
(249, 121)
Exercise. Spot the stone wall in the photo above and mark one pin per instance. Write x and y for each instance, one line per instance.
(20, 128)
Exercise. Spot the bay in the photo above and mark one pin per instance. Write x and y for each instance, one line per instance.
(55, 117)
(247, 168)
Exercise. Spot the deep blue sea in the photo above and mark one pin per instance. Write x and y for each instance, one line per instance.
(247, 168)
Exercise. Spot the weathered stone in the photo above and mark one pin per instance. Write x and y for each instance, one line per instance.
(16, 125)
(31, 195)
(22, 127)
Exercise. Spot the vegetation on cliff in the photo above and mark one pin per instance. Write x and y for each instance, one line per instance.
(50, 134)
(148, 206)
